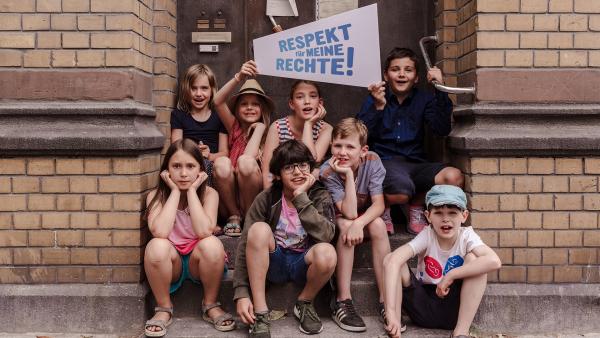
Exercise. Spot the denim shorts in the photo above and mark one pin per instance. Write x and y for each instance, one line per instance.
(287, 266)
(185, 273)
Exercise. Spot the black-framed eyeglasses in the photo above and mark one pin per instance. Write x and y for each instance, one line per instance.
(302, 166)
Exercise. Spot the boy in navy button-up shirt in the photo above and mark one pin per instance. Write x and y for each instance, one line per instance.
(395, 114)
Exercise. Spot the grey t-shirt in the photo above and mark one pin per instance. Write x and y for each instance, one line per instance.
(369, 181)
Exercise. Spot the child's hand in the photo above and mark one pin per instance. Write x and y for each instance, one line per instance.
(204, 149)
(435, 74)
(392, 326)
(166, 177)
(256, 127)
(309, 181)
(443, 287)
(354, 235)
(378, 92)
(245, 310)
(334, 163)
(198, 181)
(319, 114)
(248, 69)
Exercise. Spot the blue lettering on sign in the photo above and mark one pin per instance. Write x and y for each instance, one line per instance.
(318, 52)
(453, 262)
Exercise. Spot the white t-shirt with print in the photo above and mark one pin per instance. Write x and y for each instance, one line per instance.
(434, 262)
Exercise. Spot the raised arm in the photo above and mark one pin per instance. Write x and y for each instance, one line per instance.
(271, 143)
(257, 130)
(248, 69)
(438, 111)
(371, 111)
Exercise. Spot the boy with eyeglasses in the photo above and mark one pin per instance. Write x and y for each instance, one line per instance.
(286, 237)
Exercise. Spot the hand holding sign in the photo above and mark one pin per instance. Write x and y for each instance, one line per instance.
(248, 69)
(340, 49)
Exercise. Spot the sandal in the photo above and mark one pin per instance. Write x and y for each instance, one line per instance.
(381, 311)
(218, 231)
(158, 323)
(219, 322)
(233, 227)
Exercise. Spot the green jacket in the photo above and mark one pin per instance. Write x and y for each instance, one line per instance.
(316, 213)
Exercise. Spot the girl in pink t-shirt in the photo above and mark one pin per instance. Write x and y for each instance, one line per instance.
(182, 214)
(246, 115)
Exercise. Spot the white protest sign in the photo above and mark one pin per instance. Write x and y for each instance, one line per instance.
(282, 8)
(341, 49)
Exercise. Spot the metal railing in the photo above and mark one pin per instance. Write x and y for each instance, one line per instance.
(437, 85)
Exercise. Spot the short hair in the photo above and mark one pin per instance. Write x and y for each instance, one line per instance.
(399, 53)
(351, 126)
(308, 82)
(290, 152)
(184, 98)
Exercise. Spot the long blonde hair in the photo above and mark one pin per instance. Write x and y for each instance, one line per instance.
(184, 98)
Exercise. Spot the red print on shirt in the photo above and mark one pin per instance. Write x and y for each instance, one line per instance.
(432, 267)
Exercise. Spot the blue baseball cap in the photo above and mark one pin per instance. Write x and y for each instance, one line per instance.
(446, 195)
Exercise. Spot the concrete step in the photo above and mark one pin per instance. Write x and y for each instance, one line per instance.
(188, 327)
(187, 300)
(362, 253)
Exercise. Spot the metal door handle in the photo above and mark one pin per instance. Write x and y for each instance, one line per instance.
(437, 85)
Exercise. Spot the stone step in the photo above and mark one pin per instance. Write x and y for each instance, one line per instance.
(187, 300)
(188, 327)
(362, 253)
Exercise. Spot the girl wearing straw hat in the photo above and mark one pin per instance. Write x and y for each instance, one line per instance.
(246, 115)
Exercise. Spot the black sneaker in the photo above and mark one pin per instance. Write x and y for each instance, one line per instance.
(310, 323)
(261, 327)
(346, 317)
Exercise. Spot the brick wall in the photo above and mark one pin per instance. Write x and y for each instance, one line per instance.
(539, 214)
(72, 218)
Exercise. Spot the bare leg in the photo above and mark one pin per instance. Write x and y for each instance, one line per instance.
(260, 242)
(207, 263)
(321, 261)
(225, 184)
(380, 247)
(163, 266)
(345, 261)
(470, 297)
(249, 180)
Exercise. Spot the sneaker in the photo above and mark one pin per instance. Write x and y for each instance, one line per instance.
(261, 327)
(387, 219)
(310, 323)
(345, 316)
(417, 221)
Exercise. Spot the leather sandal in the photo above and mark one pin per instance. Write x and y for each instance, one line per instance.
(219, 322)
(233, 227)
(158, 323)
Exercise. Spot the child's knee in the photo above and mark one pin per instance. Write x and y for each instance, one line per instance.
(377, 229)
(158, 250)
(222, 167)
(246, 165)
(259, 234)
(453, 176)
(210, 248)
(324, 256)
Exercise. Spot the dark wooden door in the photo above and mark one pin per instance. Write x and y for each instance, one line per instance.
(401, 23)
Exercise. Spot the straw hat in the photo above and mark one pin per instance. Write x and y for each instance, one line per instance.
(251, 86)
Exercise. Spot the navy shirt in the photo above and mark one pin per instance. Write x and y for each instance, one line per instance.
(207, 131)
(398, 129)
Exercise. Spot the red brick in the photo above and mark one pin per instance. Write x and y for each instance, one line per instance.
(512, 274)
(527, 257)
(567, 274)
(481, 203)
(528, 184)
(540, 274)
(69, 202)
(492, 220)
(120, 184)
(583, 220)
(513, 238)
(98, 202)
(540, 166)
(70, 275)
(591, 238)
(83, 184)
(120, 256)
(55, 184)
(513, 202)
(556, 184)
(131, 274)
(41, 202)
(55, 256)
(569, 166)
(27, 256)
(541, 202)
(120, 220)
(12, 166)
(43, 275)
(555, 256)
(84, 220)
(24, 184)
(97, 275)
(513, 165)
(69, 238)
(568, 202)
(128, 238)
(13, 238)
(128, 202)
(72, 166)
(40, 167)
(12, 275)
(99, 166)
(528, 220)
(583, 256)
(582, 183)
(489, 237)
(84, 256)
(6, 257)
(41, 238)
(591, 274)
(591, 202)
(555, 220)
(98, 238)
(5, 220)
(540, 238)
(55, 220)
(491, 184)
(26, 220)
(12, 202)
(568, 238)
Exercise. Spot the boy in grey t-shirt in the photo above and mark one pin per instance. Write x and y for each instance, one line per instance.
(354, 178)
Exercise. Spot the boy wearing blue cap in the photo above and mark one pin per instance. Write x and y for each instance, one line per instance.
(452, 269)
